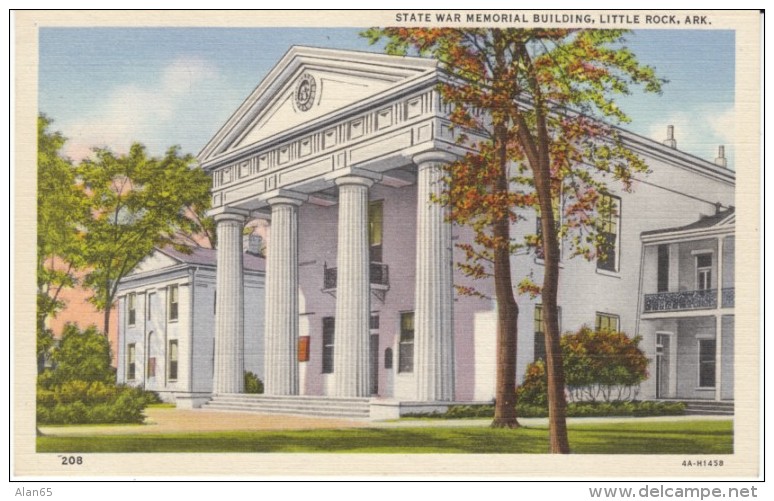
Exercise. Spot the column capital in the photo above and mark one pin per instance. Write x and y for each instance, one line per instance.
(228, 213)
(286, 197)
(354, 180)
(284, 201)
(434, 156)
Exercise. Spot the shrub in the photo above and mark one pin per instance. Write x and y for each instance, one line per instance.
(80, 402)
(534, 389)
(252, 383)
(574, 409)
(598, 365)
(469, 411)
(528, 410)
(80, 355)
(603, 364)
(81, 389)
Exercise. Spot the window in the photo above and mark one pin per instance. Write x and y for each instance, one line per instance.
(663, 268)
(151, 298)
(132, 308)
(173, 302)
(388, 358)
(706, 363)
(173, 357)
(608, 322)
(375, 230)
(703, 272)
(406, 344)
(150, 365)
(540, 336)
(540, 329)
(131, 362)
(609, 210)
(329, 329)
(303, 349)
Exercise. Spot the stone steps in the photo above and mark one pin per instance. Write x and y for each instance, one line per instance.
(706, 407)
(345, 408)
(709, 408)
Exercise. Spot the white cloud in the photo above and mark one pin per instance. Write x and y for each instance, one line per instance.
(699, 132)
(724, 125)
(138, 111)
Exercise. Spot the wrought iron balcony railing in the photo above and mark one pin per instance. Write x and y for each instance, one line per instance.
(679, 301)
(379, 275)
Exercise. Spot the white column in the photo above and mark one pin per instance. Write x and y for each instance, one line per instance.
(281, 323)
(353, 289)
(228, 373)
(434, 300)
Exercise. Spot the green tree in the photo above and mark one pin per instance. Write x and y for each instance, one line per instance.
(81, 356)
(61, 211)
(137, 203)
(540, 142)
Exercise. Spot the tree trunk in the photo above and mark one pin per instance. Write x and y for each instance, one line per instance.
(507, 335)
(107, 319)
(507, 309)
(557, 402)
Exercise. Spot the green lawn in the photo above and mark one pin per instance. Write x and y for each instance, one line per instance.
(679, 437)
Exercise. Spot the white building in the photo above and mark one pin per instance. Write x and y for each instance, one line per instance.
(166, 323)
(687, 308)
(341, 150)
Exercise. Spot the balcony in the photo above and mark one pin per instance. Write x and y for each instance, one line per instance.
(379, 274)
(688, 300)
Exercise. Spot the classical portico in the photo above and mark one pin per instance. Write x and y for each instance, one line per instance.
(325, 129)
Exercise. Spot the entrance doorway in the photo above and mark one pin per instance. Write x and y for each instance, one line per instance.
(373, 364)
(373, 355)
(663, 345)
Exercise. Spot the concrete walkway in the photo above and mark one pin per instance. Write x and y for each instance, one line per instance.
(170, 420)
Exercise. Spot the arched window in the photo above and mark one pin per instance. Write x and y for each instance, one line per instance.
(151, 364)
(388, 358)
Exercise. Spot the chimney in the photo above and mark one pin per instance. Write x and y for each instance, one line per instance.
(721, 159)
(252, 244)
(670, 140)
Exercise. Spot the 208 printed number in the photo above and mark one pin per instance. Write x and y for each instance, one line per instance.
(71, 460)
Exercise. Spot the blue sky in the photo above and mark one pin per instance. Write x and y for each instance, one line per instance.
(177, 86)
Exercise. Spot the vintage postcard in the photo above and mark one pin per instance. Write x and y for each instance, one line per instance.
(387, 244)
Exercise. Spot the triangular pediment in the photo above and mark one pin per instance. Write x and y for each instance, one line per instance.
(307, 84)
(153, 262)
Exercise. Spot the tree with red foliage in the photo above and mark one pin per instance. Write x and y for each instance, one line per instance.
(528, 104)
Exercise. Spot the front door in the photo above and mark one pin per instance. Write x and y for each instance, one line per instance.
(662, 365)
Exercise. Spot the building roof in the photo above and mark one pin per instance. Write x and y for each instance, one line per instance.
(209, 257)
(705, 222)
